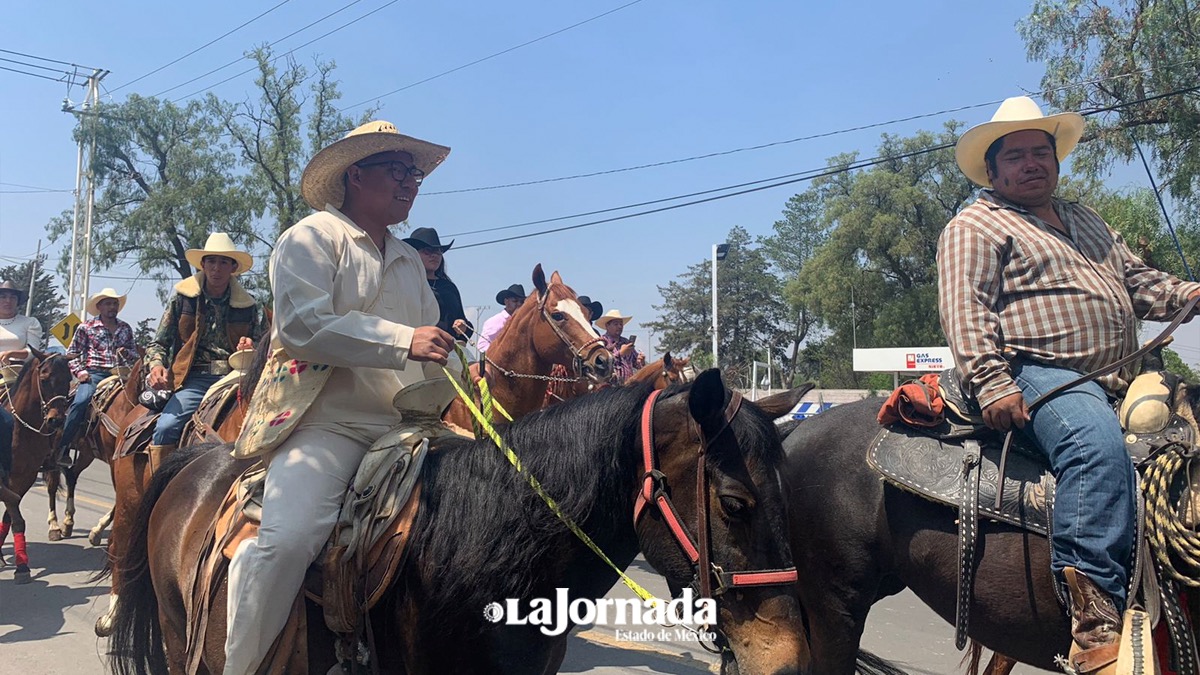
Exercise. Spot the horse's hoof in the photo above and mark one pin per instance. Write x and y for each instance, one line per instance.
(96, 537)
(104, 626)
(55, 535)
(22, 575)
(67, 531)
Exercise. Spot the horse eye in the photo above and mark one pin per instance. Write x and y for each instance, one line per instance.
(735, 507)
(558, 316)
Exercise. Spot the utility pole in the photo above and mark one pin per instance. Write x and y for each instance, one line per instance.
(718, 253)
(33, 272)
(81, 237)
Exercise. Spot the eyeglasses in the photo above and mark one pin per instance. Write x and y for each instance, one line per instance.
(398, 170)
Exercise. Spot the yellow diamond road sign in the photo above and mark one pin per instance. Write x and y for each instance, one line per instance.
(64, 330)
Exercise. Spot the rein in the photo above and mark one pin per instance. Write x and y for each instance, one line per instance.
(699, 552)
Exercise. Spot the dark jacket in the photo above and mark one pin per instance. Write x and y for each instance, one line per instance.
(450, 303)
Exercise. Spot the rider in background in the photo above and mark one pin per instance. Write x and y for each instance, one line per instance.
(626, 358)
(453, 319)
(99, 345)
(17, 334)
(209, 317)
(1023, 272)
(512, 298)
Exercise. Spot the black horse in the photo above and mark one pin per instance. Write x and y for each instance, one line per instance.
(857, 540)
(483, 536)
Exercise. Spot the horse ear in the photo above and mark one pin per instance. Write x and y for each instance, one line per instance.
(555, 278)
(37, 353)
(706, 401)
(778, 405)
(539, 279)
(668, 363)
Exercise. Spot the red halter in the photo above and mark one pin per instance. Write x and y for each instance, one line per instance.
(654, 491)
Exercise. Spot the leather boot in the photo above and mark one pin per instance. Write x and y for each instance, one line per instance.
(158, 453)
(1095, 626)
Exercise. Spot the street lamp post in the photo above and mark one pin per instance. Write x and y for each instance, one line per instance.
(718, 253)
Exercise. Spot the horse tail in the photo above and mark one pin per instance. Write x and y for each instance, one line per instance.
(137, 638)
(971, 659)
(869, 664)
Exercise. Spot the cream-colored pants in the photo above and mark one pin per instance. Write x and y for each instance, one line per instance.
(306, 479)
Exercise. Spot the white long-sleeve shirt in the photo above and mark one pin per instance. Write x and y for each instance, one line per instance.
(20, 332)
(339, 302)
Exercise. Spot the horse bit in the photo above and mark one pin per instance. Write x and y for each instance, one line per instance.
(654, 492)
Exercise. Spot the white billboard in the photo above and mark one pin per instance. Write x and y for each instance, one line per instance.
(903, 359)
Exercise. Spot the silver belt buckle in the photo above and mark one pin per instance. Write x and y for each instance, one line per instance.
(219, 367)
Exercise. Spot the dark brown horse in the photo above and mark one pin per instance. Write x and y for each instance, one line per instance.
(857, 539)
(482, 536)
(39, 403)
(98, 441)
(132, 473)
(548, 330)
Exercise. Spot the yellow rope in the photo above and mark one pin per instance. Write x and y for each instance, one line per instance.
(537, 487)
(1171, 541)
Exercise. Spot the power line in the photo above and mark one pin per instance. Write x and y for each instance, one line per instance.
(273, 60)
(42, 58)
(33, 65)
(31, 187)
(803, 176)
(207, 44)
(30, 192)
(490, 56)
(272, 44)
(44, 77)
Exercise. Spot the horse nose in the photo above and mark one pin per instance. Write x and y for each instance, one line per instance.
(602, 365)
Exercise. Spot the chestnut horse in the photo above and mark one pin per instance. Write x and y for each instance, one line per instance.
(548, 330)
(98, 441)
(663, 372)
(132, 473)
(39, 400)
(482, 535)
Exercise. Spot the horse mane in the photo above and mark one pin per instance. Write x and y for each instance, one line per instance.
(262, 353)
(481, 517)
(26, 367)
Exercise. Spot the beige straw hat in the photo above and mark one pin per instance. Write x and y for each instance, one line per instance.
(321, 183)
(1018, 113)
(94, 301)
(601, 322)
(220, 244)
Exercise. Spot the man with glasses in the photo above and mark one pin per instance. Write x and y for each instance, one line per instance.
(355, 320)
(511, 298)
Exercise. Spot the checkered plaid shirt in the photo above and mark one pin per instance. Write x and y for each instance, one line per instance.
(1007, 280)
(97, 347)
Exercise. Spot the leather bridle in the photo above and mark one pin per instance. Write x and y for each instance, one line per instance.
(579, 355)
(699, 552)
(46, 405)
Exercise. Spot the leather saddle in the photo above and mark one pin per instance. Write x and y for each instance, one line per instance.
(136, 437)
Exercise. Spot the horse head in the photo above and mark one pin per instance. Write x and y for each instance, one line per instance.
(41, 391)
(717, 522)
(663, 373)
(561, 334)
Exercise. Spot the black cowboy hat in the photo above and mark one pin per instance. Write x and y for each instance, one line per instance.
(593, 306)
(426, 237)
(514, 291)
(22, 294)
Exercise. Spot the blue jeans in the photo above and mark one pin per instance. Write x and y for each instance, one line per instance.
(180, 408)
(6, 433)
(78, 412)
(1094, 501)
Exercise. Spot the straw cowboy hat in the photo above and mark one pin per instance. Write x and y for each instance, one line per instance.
(514, 291)
(22, 294)
(602, 322)
(426, 237)
(322, 183)
(93, 303)
(1018, 113)
(593, 306)
(220, 244)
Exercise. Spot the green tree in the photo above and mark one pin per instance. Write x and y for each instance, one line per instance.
(751, 311)
(144, 332)
(873, 282)
(797, 238)
(49, 306)
(165, 181)
(270, 134)
(1127, 51)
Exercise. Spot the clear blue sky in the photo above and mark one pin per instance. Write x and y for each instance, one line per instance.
(655, 81)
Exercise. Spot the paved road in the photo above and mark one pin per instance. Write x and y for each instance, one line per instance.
(46, 626)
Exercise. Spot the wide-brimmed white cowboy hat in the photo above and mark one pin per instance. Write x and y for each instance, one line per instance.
(602, 321)
(322, 183)
(1018, 113)
(94, 301)
(220, 244)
